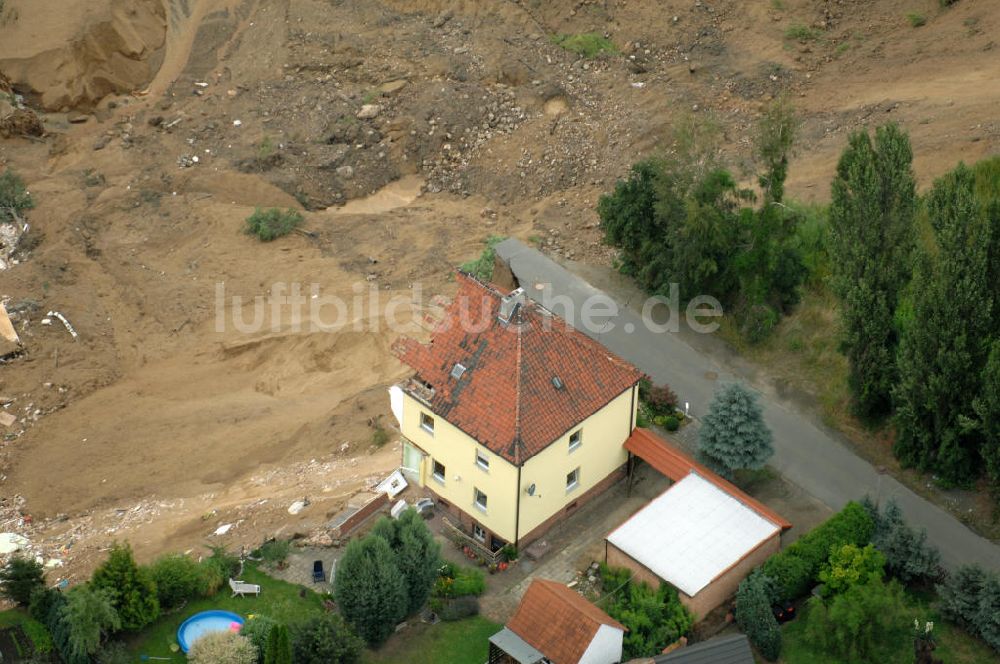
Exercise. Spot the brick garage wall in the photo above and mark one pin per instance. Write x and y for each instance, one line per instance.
(596, 490)
(725, 585)
(712, 595)
(359, 517)
(615, 557)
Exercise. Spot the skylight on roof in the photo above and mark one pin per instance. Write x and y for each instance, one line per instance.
(557, 382)
(457, 370)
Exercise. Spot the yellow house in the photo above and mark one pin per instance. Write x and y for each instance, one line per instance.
(513, 419)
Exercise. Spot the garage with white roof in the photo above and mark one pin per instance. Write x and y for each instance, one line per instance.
(697, 537)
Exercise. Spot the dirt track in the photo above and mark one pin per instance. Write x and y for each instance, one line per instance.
(508, 134)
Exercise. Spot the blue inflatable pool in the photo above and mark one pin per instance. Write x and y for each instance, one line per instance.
(204, 623)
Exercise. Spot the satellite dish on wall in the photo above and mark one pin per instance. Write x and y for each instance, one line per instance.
(531, 489)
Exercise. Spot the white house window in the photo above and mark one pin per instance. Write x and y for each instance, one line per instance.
(480, 500)
(573, 479)
(439, 471)
(575, 439)
(478, 532)
(426, 422)
(482, 460)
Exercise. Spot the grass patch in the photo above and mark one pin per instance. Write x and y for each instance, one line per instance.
(460, 642)
(272, 223)
(802, 33)
(916, 19)
(779, 5)
(279, 600)
(35, 630)
(589, 44)
(954, 645)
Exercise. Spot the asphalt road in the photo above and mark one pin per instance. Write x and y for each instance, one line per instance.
(805, 451)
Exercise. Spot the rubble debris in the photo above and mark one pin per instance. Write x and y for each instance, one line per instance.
(223, 529)
(12, 543)
(11, 233)
(10, 343)
(69, 328)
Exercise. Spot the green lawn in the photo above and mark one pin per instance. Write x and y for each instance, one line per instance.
(278, 600)
(954, 645)
(35, 630)
(461, 642)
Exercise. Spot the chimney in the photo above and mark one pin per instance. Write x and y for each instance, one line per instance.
(510, 304)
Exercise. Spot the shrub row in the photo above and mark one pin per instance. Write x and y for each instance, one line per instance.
(795, 570)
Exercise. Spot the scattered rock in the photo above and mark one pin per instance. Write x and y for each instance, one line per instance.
(369, 111)
(345, 172)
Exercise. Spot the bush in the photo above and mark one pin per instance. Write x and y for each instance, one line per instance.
(459, 608)
(801, 33)
(459, 582)
(970, 597)
(509, 552)
(14, 197)
(661, 399)
(916, 19)
(272, 223)
(482, 267)
(258, 629)
(654, 618)
(589, 45)
(177, 578)
(131, 588)
(325, 639)
(909, 557)
(755, 617)
(273, 552)
(222, 648)
(796, 569)
(20, 578)
(866, 623)
(851, 565)
(757, 322)
(217, 569)
(671, 423)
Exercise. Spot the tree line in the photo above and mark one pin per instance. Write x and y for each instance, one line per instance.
(916, 275)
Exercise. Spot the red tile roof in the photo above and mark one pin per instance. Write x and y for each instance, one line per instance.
(557, 621)
(669, 460)
(507, 398)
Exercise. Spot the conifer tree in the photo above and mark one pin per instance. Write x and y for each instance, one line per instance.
(131, 588)
(417, 554)
(733, 435)
(370, 589)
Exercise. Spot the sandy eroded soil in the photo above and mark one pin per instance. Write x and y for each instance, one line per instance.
(158, 427)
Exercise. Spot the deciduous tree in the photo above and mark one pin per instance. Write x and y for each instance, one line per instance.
(872, 241)
(89, 616)
(943, 351)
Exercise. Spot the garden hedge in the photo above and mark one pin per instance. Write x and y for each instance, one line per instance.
(796, 569)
